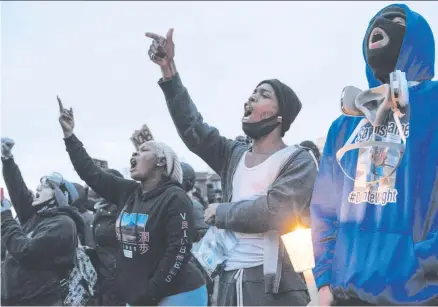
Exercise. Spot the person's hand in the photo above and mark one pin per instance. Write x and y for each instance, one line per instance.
(162, 49)
(210, 213)
(6, 149)
(162, 52)
(66, 119)
(6, 205)
(325, 296)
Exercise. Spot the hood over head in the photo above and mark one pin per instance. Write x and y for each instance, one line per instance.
(417, 53)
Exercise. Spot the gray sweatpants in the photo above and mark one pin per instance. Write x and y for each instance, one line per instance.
(253, 292)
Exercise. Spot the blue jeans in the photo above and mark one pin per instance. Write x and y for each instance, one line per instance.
(197, 297)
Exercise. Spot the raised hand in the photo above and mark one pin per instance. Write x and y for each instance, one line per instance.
(6, 149)
(66, 119)
(5, 205)
(162, 50)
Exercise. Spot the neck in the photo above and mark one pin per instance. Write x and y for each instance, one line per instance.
(268, 144)
(151, 183)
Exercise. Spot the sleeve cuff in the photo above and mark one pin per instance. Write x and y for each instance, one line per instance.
(7, 160)
(220, 220)
(323, 279)
(7, 214)
(71, 140)
(171, 87)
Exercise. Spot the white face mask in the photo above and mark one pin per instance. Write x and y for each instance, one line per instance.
(44, 193)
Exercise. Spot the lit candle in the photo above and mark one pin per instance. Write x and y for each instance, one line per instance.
(299, 246)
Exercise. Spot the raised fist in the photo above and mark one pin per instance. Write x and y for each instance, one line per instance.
(7, 145)
(6, 205)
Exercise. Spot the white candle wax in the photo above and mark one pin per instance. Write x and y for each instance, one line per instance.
(299, 246)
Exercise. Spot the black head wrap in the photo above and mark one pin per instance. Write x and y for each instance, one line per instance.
(288, 103)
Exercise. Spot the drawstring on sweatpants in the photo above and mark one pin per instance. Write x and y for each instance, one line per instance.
(239, 286)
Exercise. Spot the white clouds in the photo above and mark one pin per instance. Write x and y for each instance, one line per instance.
(94, 55)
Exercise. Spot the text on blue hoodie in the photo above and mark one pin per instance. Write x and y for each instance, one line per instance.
(377, 241)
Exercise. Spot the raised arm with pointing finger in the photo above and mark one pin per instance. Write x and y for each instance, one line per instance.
(258, 207)
(110, 187)
(199, 137)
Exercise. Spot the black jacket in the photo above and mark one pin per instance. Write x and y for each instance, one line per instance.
(200, 225)
(82, 205)
(155, 230)
(107, 248)
(41, 251)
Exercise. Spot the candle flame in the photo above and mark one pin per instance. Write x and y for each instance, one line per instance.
(299, 227)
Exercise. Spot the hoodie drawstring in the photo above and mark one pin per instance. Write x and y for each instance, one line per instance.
(239, 286)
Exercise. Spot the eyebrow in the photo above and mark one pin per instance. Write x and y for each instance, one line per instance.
(262, 90)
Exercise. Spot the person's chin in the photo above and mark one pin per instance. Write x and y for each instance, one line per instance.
(135, 176)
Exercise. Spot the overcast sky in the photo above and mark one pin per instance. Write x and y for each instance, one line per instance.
(94, 55)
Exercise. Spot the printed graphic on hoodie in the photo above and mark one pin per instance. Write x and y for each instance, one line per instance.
(384, 255)
(376, 170)
(131, 232)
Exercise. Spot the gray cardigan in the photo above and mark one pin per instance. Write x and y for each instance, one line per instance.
(287, 200)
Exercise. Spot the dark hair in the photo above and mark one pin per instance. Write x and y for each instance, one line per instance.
(189, 176)
(309, 145)
(81, 191)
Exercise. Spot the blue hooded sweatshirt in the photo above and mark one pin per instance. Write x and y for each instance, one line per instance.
(382, 248)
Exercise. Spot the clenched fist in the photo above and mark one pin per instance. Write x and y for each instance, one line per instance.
(6, 149)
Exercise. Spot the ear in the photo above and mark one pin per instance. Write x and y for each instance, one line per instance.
(161, 161)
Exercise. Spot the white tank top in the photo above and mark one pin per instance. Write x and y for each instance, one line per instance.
(250, 183)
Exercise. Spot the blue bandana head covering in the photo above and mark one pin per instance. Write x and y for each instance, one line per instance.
(65, 192)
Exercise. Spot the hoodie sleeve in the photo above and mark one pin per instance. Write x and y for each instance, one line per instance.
(113, 189)
(180, 232)
(426, 245)
(20, 195)
(285, 205)
(52, 244)
(325, 199)
(200, 138)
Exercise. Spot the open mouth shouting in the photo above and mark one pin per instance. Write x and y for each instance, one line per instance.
(378, 39)
(133, 162)
(248, 112)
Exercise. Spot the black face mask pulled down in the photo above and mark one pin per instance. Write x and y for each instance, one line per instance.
(383, 60)
(261, 128)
